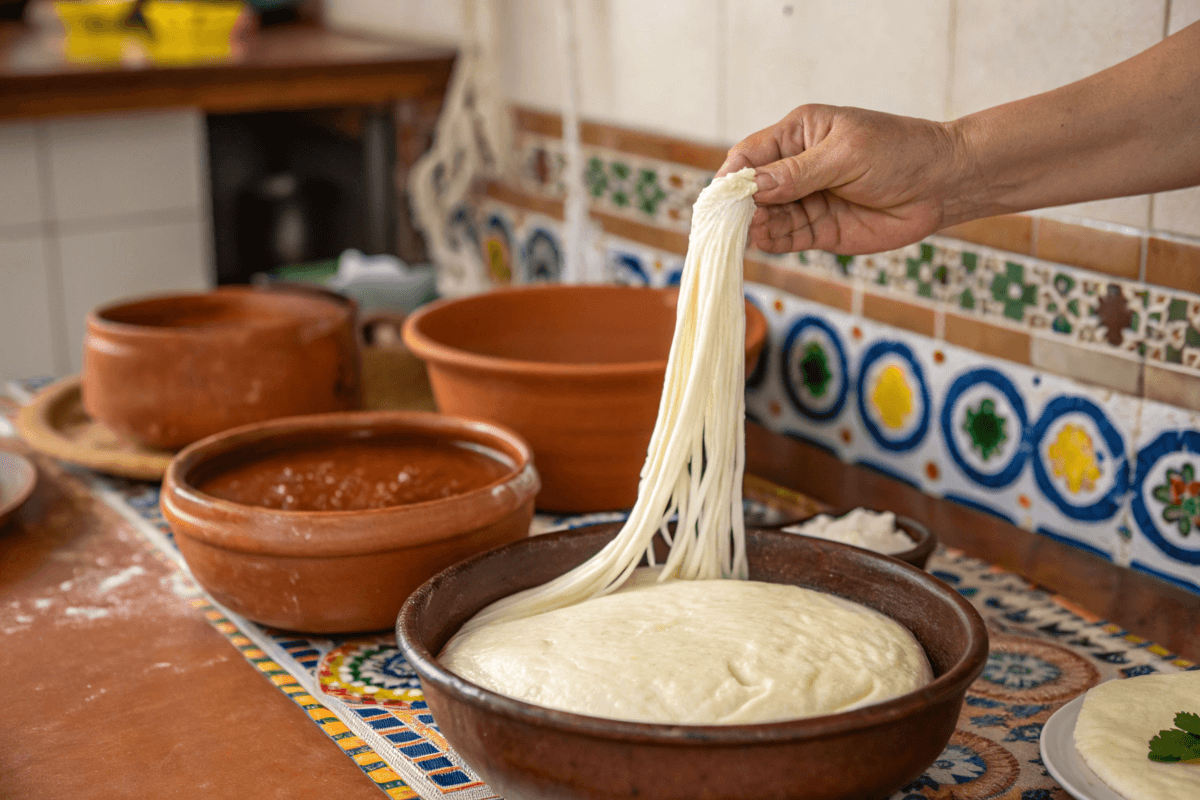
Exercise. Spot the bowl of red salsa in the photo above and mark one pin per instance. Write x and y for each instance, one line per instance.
(326, 523)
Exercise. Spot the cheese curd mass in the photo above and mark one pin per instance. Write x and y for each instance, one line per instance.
(696, 652)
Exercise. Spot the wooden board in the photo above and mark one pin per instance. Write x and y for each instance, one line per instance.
(56, 424)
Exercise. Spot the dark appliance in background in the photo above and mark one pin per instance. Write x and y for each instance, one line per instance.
(292, 187)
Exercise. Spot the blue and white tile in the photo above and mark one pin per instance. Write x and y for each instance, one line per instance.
(1164, 530)
(633, 264)
(1043, 452)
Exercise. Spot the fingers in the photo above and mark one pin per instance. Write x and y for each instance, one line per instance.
(782, 229)
(757, 149)
(804, 225)
(789, 179)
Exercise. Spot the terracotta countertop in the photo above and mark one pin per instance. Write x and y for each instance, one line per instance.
(288, 67)
(118, 688)
(123, 679)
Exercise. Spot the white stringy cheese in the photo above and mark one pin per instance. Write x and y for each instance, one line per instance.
(862, 527)
(695, 460)
(699, 650)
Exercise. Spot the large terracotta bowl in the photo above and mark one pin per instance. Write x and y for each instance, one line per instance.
(166, 371)
(525, 751)
(339, 571)
(577, 370)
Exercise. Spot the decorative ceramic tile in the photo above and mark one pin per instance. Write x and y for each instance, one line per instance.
(1040, 451)
(1172, 322)
(498, 242)
(1164, 537)
(631, 264)
(648, 190)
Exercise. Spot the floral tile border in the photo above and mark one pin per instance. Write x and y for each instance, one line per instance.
(629, 185)
(1125, 318)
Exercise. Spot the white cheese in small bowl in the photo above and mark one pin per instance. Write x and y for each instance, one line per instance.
(870, 530)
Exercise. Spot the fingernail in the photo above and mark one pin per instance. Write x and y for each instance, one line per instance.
(765, 180)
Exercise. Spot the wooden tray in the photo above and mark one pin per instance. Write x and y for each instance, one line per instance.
(55, 423)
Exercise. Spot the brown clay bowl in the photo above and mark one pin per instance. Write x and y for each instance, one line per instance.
(525, 751)
(924, 541)
(576, 369)
(168, 370)
(340, 571)
(18, 476)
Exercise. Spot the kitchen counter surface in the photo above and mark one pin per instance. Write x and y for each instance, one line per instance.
(287, 67)
(124, 679)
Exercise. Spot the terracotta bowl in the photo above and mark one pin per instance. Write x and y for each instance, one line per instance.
(525, 751)
(18, 476)
(924, 541)
(577, 370)
(311, 567)
(166, 371)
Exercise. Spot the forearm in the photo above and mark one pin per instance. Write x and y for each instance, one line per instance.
(1131, 129)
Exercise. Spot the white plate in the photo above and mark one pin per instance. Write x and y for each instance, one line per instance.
(1063, 761)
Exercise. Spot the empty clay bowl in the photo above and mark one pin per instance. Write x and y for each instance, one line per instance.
(525, 751)
(169, 370)
(18, 476)
(326, 523)
(577, 370)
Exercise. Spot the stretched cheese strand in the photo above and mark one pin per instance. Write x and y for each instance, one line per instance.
(695, 460)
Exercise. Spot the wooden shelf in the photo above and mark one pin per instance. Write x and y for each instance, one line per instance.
(289, 67)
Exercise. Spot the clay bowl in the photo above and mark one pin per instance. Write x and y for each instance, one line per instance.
(924, 542)
(325, 570)
(18, 476)
(168, 370)
(577, 370)
(525, 751)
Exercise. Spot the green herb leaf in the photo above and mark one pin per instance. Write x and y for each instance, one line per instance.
(1174, 745)
(1188, 722)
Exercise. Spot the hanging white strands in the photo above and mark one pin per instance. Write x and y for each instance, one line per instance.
(696, 458)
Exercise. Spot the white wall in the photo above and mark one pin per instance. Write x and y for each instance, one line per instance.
(94, 209)
(716, 70)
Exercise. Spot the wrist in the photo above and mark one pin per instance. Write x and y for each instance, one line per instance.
(966, 188)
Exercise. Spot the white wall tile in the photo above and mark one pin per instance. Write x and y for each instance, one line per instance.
(127, 163)
(886, 55)
(527, 55)
(666, 65)
(649, 66)
(1183, 13)
(100, 266)
(1005, 51)
(1177, 212)
(431, 20)
(20, 193)
(26, 333)
(1133, 211)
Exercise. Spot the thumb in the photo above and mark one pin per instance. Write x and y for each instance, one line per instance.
(789, 179)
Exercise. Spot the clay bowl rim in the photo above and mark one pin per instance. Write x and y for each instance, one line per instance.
(97, 322)
(925, 541)
(955, 680)
(521, 482)
(429, 349)
(25, 485)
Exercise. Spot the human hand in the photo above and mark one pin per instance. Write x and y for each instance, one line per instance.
(848, 181)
